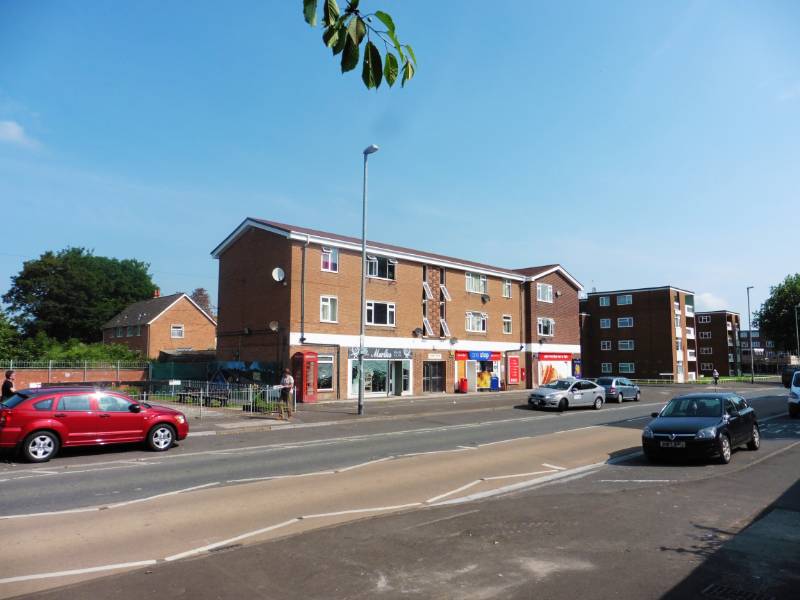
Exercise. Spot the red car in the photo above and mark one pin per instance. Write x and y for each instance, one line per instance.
(40, 421)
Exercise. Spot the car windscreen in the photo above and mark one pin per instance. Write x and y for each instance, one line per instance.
(558, 385)
(605, 380)
(693, 407)
(15, 400)
(796, 382)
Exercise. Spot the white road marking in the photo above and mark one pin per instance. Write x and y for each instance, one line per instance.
(270, 477)
(519, 475)
(451, 492)
(638, 480)
(201, 433)
(55, 512)
(554, 467)
(232, 540)
(164, 495)
(130, 565)
(360, 510)
(526, 437)
(467, 447)
(364, 464)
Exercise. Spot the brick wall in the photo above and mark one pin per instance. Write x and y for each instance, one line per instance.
(24, 377)
(198, 332)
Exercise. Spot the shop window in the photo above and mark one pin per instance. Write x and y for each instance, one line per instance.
(330, 259)
(176, 331)
(476, 322)
(544, 292)
(380, 313)
(507, 324)
(605, 323)
(325, 373)
(546, 327)
(476, 284)
(605, 345)
(605, 300)
(605, 367)
(381, 267)
(627, 367)
(506, 288)
(328, 309)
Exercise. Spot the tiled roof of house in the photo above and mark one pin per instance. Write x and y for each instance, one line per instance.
(141, 313)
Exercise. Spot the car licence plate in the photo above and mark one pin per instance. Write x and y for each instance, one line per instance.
(673, 444)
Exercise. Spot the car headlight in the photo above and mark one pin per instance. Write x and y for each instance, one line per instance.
(647, 433)
(180, 419)
(706, 433)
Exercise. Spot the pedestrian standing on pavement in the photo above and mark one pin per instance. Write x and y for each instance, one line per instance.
(8, 386)
(287, 386)
(715, 375)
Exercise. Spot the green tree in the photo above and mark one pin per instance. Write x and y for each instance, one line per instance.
(346, 30)
(203, 300)
(775, 320)
(9, 337)
(72, 293)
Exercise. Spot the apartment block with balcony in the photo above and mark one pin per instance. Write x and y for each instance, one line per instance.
(645, 333)
(431, 320)
(718, 343)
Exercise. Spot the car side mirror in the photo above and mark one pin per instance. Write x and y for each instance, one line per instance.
(654, 415)
(135, 408)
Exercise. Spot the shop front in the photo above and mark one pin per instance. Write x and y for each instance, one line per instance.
(387, 372)
(478, 370)
(553, 365)
(434, 373)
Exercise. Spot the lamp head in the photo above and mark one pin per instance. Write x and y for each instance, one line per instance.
(371, 149)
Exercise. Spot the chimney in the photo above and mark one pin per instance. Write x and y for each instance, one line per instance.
(157, 293)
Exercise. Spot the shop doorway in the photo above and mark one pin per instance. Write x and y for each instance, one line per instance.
(433, 376)
(398, 378)
(472, 376)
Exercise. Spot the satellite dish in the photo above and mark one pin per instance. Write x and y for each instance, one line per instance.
(278, 274)
(417, 332)
(273, 325)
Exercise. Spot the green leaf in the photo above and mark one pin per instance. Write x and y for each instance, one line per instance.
(390, 69)
(408, 72)
(330, 13)
(356, 29)
(349, 54)
(385, 19)
(411, 54)
(341, 39)
(310, 12)
(397, 45)
(371, 72)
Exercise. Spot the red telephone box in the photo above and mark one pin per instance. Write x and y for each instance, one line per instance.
(304, 371)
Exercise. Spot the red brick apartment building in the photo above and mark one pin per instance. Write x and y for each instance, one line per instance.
(289, 294)
(173, 322)
(646, 333)
(718, 343)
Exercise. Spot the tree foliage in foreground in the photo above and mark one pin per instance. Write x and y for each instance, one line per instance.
(346, 30)
(776, 319)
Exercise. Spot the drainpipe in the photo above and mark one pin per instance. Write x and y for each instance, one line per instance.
(303, 293)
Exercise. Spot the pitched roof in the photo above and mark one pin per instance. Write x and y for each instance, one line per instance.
(288, 230)
(145, 312)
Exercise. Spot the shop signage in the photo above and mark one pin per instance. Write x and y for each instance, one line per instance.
(513, 370)
(174, 381)
(577, 368)
(382, 353)
(479, 355)
(434, 356)
(555, 356)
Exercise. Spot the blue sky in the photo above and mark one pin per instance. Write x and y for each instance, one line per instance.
(636, 143)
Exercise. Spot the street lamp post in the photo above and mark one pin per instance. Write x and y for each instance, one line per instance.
(750, 337)
(371, 149)
(797, 329)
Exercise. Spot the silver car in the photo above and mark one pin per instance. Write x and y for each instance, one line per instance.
(564, 393)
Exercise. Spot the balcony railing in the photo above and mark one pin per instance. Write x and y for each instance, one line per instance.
(691, 354)
(689, 310)
(690, 333)
(678, 332)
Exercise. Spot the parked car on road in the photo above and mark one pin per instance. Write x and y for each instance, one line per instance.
(701, 425)
(787, 374)
(794, 396)
(619, 389)
(564, 393)
(38, 422)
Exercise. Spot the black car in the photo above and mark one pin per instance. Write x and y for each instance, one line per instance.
(701, 425)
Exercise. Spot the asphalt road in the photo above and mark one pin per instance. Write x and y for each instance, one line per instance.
(92, 477)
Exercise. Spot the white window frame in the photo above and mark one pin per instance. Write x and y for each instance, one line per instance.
(606, 367)
(333, 309)
(605, 300)
(706, 350)
(445, 327)
(325, 358)
(445, 292)
(627, 367)
(426, 289)
(605, 323)
(426, 324)
(544, 292)
(507, 320)
(626, 345)
(481, 280)
(706, 366)
(480, 317)
(372, 267)
(540, 326)
(172, 331)
(704, 319)
(391, 310)
(333, 259)
(620, 320)
(705, 335)
(605, 344)
(624, 299)
(506, 288)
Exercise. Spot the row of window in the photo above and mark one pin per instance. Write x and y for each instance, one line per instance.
(621, 345)
(623, 367)
(621, 322)
(129, 331)
(622, 300)
(704, 319)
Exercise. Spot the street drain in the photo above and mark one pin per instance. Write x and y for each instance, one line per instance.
(718, 591)
(224, 548)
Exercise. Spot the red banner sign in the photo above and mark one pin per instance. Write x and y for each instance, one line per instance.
(512, 375)
(555, 356)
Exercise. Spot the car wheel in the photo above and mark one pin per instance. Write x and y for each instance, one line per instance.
(794, 412)
(562, 405)
(598, 403)
(40, 446)
(755, 439)
(161, 437)
(637, 397)
(724, 444)
(620, 398)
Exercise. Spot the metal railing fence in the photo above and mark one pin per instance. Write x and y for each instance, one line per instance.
(73, 364)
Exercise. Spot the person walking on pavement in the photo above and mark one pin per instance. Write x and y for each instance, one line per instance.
(287, 386)
(8, 386)
(715, 375)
